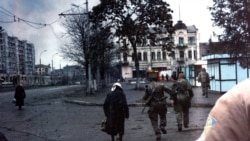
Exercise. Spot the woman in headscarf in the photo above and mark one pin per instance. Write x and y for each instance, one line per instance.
(116, 110)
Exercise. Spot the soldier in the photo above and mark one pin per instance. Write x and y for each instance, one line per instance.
(183, 94)
(155, 99)
(203, 77)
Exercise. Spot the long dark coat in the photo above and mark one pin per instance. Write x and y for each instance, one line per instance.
(19, 95)
(116, 110)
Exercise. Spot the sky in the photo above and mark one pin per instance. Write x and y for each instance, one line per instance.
(49, 37)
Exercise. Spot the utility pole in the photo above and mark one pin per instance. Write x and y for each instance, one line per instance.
(90, 86)
(89, 81)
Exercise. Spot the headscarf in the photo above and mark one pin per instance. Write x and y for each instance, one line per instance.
(116, 85)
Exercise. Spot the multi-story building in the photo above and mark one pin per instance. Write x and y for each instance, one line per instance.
(186, 53)
(43, 69)
(17, 59)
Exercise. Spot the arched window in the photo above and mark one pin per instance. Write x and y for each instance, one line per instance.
(158, 55)
(139, 56)
(152, 55)
(145, 56)
(164, 55)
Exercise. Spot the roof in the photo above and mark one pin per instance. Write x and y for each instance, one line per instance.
(180, 25)
(191, 29)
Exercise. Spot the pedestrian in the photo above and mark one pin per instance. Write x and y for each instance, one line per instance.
(183, 96)
(19, 96)
(203, 77)
(116, 110)
(167, 77)
(174, 76)
(162, 77)
(229, 118)
(155, 99)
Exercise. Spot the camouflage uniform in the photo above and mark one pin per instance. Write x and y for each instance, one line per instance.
(183, 103)
(203, 77)
(156, 101)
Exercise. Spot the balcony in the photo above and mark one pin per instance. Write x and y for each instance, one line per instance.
(181, 46)
(181, 60)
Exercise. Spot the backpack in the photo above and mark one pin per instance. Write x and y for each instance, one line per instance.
(203, 77)
(178, 88)
(181, 94)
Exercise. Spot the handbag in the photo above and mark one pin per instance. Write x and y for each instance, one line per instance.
(13, 100)
(104, 125)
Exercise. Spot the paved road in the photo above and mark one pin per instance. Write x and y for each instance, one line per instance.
(66, 116)
(139, 127)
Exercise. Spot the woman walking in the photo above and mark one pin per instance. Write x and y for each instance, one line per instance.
(116, 110)
(19, 96)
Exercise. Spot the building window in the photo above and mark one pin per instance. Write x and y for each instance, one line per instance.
(152, 55)
(190, 54)
(195, 54)
(181, 41)
(125, 57)
(208, 51)
(139, 56)
(145, 56)
(191, 40)
(181, 54)
(158, 55)
(164, 55)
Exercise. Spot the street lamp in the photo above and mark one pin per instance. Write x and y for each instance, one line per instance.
(52, 68)
(52, 61)
(60, 72)
(41, 65)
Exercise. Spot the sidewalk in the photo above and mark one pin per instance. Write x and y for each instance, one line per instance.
(133, 96)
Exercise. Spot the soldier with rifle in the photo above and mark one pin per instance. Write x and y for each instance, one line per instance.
(155, 99)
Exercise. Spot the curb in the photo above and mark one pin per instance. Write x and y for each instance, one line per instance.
(85, 103)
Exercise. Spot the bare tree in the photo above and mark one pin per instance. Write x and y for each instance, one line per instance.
(88, 44)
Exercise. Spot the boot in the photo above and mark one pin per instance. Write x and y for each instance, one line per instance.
(179, 127)
(158, 137)
(163, 130)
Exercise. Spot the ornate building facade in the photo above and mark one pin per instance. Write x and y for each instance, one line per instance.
(186, 53)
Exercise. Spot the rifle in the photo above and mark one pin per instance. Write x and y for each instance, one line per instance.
(147, 103)
(149, 98)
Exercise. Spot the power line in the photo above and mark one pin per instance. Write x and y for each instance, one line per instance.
(6, 21)
(32, 24)
(10, 14)
(54, 33)
(6, 13)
